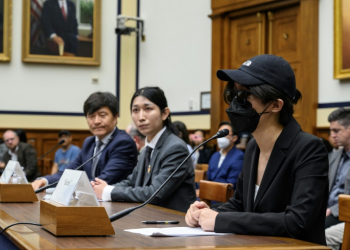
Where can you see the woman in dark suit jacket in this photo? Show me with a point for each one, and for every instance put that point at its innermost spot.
(283, 187)
(151, 115)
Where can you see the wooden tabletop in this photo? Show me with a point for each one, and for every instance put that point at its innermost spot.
(34, 237)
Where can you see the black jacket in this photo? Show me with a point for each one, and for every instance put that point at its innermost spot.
(292, 198)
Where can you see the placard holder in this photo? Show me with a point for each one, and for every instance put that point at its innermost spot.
(61, 220)
(14, 186)
(17, 193)
(74, 209)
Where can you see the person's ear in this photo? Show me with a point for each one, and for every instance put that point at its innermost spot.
(277, 105)
(165, 114)
(234, 138)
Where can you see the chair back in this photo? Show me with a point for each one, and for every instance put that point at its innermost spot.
(215, 191)
(344, 215)
(199, 175)
(202, 167)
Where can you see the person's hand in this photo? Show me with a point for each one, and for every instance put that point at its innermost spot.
(2, 164)
(58, 40)
(191, 217)
(328, 212)
(98, 185)
(38, 184)
(206, 219)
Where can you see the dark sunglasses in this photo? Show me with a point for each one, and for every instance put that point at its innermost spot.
(240, 95)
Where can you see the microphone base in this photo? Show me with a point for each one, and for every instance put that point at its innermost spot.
(61, 220)
(17, 193)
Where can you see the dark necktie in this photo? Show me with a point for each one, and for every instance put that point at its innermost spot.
(95, 160)
(147, 160)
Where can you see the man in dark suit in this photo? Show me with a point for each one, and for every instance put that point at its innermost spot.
(22, 152)
(59, 22)
(339, 163)
(119, 155)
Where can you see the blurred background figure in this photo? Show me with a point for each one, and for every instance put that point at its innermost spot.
(204, 153)
(183, 134)
(138, 138)
(21, 135)
(67, 153)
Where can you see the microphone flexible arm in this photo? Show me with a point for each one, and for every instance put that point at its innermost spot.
(59, 143)
(127, 211)
(82, 165)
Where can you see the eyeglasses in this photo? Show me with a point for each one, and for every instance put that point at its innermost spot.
(10, 139)
(240, 95)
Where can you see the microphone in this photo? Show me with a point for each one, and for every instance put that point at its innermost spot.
(82, 165)
(59, 143)
(127, 211)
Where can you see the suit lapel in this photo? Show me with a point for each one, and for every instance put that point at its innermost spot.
(277, 157)
(90, 153)
(334, 164)
(155, 156)
(216, 168)
(253, 166)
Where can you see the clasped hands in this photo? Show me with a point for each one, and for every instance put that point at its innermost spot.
(200, 215)
(98, 185)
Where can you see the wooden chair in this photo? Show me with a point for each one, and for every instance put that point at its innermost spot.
(344, 215)
(215, 191)
(202, 167)
(199, 175)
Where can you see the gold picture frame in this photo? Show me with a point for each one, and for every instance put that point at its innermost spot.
(341, 34)
(5, 31)
(39, 47)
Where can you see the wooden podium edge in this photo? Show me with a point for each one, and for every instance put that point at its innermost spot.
(17, 193)
(74, 220)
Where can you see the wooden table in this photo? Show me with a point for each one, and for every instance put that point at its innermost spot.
(34, 237)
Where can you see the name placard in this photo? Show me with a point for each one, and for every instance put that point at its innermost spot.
(13, 173)
(74, 189)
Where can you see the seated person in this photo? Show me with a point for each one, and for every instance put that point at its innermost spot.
(334, 236)
(119, 155)
(226, 164)
(66, 154)
(183, 134)
(163, 154)
(204, 153)
(283, 187)
(22, 152)
(138, 138)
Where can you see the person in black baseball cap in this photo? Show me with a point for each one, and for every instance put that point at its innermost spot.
(283, 187)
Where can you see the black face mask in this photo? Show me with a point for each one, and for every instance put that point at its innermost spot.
(243, 117)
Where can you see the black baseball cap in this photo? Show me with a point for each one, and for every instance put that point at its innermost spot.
(263, 69)
(63, 132)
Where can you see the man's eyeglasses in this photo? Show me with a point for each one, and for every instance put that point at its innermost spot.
(240, 95)
(10, 139)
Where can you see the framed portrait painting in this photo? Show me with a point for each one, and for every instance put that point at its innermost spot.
(62, 31)
(5, 30)
(341, 39)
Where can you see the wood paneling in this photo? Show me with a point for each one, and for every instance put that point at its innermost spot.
(244, 29)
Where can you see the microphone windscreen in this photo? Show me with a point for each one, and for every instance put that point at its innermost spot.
(61, 141)
(222, 133)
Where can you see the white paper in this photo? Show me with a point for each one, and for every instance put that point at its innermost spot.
(12, 169)
(173, 231)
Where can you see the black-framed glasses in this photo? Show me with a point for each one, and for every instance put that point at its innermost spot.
(240, 95)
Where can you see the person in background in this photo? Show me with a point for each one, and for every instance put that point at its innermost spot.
(21, 135)
(22, 152)
(226, 164)
(119, 155)
(339, 163)
(163, 153)
(3, 149)
(66, 154)
(138, 138)
(203, 154)
(283, 187)
(334, 236)
(183, 134)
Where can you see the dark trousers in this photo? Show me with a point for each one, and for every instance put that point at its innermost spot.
(331, 220)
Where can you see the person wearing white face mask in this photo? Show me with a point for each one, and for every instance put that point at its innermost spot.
(226, 164)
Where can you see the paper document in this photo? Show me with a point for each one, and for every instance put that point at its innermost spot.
(173, 231)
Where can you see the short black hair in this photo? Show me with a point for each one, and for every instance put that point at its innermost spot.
(98, 100)
(64, 132)
(267, 93)
(200, 130)
(229, 124)
(181, 127)
(342, 115)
